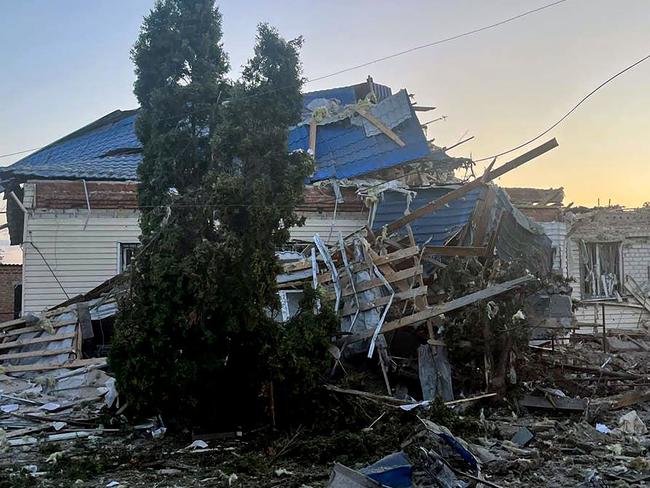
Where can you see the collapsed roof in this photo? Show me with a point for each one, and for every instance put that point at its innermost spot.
(353, 137)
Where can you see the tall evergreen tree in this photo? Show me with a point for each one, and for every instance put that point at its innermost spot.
(194, 340)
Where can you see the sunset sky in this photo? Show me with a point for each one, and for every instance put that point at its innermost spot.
(66, 63)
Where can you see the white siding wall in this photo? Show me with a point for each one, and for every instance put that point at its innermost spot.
(328, 227)
(616, 317)
(556, 232)
(80, 258)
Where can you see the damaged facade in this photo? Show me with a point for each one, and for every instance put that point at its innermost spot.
(73, 206)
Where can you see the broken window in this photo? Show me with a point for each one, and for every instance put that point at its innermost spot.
(126, 253)
(600, 265)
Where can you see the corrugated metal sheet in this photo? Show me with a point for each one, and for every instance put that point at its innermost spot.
(81, 259)
(520, 238)
(439, 225)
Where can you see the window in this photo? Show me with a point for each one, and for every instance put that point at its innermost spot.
(600, 268)
(126, 252)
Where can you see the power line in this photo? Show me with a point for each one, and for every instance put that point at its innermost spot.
(575, 107)
(435, 43)
(384, 58)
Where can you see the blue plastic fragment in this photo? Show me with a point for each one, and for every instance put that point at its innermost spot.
(394, 471)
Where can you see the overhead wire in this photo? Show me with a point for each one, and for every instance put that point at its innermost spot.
(573, 109)
(374, 61)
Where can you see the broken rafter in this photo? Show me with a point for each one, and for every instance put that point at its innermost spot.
(466, 188)
(421, 317)
(381, 126)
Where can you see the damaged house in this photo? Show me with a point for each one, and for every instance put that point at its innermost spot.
(608, 256)
(72, 205)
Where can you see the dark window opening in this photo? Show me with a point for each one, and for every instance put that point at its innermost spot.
(600, 268)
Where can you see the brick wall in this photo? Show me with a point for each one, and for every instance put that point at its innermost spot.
(636, 259)
(10, 276)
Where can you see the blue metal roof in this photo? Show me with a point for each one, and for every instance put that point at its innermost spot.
(101, 150)
(438, 226)
(108, 149)
(344, 151)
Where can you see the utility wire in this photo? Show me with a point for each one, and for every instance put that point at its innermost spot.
(436, 43)
(384, 58)
(575, 107)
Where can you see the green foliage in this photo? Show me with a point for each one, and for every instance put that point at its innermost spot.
(194, 341)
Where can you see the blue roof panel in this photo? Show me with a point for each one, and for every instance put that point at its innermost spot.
(109, 148)
(88, 155)
(438, 226)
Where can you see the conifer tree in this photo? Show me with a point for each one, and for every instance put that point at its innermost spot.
(194, 341)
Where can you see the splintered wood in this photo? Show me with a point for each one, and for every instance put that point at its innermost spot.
(47, 390)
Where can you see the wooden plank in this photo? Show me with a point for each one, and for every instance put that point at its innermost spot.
(13, 323)
(313, 126)
(38, 340)
(375, 282)
(436, 310)
(381, 261)
(381, 126)
(36, 354)
(33, 328)
(558, 403)
(405, 253)
(351, 308)
(27, 430)
(295, 266)
(466, 188)
(454, 250)
(79, 363)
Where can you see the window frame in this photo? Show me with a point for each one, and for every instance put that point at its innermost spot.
(122, 247)
(585, 255)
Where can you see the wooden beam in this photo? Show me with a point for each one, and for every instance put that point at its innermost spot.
(399, 255)
(466, 188)
(381, 126)
(33, 328)
(375, 282)
(36, 354)
(454, 250)
(296, 266)
(313, 126)
(79, 363)
(38, 340)
(436, 310)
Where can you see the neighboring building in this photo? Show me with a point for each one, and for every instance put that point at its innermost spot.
(11, 276)
(78, 219)
(608, 257)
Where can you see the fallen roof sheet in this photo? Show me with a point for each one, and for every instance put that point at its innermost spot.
(438, 226)
(108, 149)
